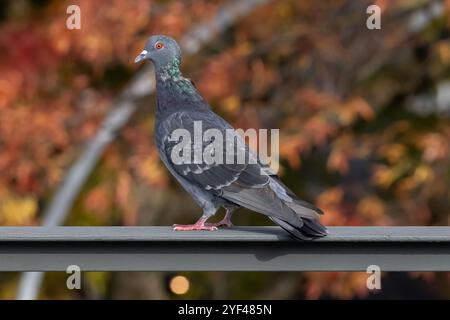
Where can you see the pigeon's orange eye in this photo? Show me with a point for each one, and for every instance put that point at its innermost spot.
(159, 45)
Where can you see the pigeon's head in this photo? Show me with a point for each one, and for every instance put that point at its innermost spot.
(162, 51)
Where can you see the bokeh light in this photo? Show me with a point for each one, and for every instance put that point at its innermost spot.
(179, 285)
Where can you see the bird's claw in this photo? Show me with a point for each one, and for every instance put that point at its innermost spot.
(226, 224)
(193, 227)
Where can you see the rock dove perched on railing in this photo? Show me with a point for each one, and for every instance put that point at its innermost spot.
(213, 185)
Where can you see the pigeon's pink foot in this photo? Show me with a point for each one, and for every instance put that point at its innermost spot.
(222, 223)
(225, 222)
(193, 227)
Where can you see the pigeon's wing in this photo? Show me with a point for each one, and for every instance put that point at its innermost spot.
(249, 184)
(209, 175)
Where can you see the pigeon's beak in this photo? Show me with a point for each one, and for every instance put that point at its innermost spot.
(142, 56)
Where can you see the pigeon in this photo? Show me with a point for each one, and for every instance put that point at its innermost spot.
(228, 184)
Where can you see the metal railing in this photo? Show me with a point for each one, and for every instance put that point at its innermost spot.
(237, 249)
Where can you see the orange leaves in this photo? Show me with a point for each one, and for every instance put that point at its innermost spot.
(353, 108)
(221, 75)
(330, 201)
(152, 170)
(124, 198)
(263, 78)
(231, 104)
(29, 139)
(10, 84)
(331, 113)
(99, 200)
(435, 146)
(26, 49)
(393, 152)
(174, 20)
(373, 210)
(338, 161)
(368, 209)
(314, 132)
(443, 51)
(17, 211)
(423, 173)
(314, 99)
(290, 149)
(102, 24)
(384, 176)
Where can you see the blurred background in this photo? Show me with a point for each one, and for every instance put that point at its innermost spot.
(364, 118)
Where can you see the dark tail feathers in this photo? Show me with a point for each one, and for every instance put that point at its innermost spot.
(309, 230)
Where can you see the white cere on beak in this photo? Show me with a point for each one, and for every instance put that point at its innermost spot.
(141, 56)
